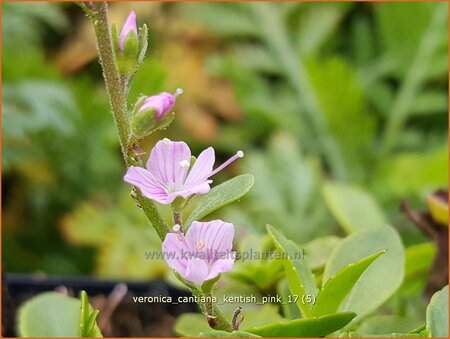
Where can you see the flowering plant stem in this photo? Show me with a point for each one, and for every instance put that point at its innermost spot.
(117, 89)
(215, 318)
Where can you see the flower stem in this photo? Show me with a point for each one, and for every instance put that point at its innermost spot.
(215, 318)
(117, 89)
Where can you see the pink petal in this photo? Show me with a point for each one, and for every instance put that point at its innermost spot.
(221, 266)
(213, 237)
(202, 168)
(128, 26)
(167, 163)
(173, 249)
(149, 186)
(198, 189)
(196, 271)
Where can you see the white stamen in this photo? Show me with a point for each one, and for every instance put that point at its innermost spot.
(184, 163)
(167, 141)
(238, 155)
(176, 228)
(178, 92)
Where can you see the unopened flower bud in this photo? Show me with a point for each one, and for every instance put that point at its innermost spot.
(128, 27)
(129, 45)
(152, 113)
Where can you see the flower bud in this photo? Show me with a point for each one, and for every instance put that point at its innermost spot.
(152, 113)
(129, 45)
(129, 27)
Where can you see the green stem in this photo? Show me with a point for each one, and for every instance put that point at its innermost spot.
(414, 78)
(117, 89)
(274, 32)
(216, 320)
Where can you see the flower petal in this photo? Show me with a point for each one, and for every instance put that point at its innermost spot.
(214, 238)
(149, 186)
(196, 271)
(176, 252)
(198, 189)
(167, 163)
(202, 168)
(128, 26)
(221, 265)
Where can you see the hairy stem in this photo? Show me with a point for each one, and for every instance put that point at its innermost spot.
(215, 318)
(117, 89)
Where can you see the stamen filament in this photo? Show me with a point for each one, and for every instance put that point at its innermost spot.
(239, 154)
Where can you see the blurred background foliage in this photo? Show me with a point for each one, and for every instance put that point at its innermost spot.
(314, 93)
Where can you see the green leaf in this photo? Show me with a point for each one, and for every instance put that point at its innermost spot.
(299, 275)
(418, 258)
(382, 324)
(289, 310)
(437, 314)
(53, 314)
(339, 285)
(88, 325)
(191, 324)
(319, 250)
(390, 335)
(222, 195)
(381, 279)
(354, 208)
(224, 334)
(307, 327)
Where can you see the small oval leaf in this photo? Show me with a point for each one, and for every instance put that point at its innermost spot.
(221, 195)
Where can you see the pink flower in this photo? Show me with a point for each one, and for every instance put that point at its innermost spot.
(162, 103)
(170, 174)
(128, 26)
(203, 253)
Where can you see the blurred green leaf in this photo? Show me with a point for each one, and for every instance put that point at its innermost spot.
(299, 275)
(337, 287)
(437, 314)
(354, 208)
(382, 278)
(53, 314)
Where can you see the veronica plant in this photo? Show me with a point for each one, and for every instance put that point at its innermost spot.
(199, 252)
(172, 175)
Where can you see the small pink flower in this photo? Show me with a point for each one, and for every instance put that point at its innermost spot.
(162, 103)
(169, 173)
(203, 253)
(128, 26)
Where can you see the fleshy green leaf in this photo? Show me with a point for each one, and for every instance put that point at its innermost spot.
(339, 285)
(53, 314)
(299, 275)
(222, 195)
(437, 314)
(88, 316)
(306, 327)
(381, 279)
(352, 207)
